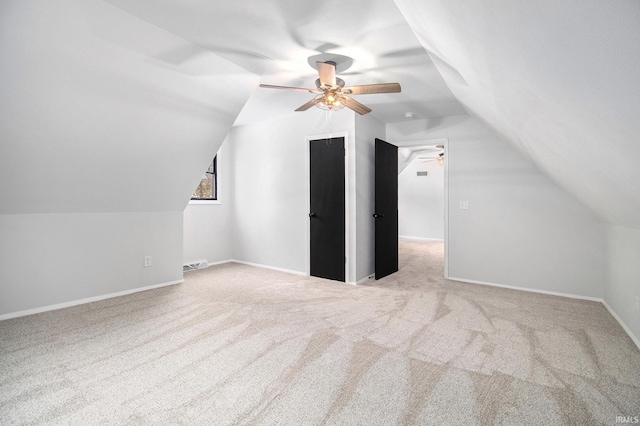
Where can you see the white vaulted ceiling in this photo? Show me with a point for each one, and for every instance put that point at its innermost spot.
(274, 39)
(559, 80)
(91, 122)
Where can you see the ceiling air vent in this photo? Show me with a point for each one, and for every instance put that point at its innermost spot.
(422, 173)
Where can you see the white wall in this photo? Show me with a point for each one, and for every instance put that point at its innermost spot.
(263, 218)
(101, 144)
(521, 229)
(270, 187)
(208, 227)
(50, 259)
(623, 275)
(421, 201)
(367, 128)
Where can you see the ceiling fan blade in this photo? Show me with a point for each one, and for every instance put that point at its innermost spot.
(368, 89)
(298, 89)
(355, 105)
(308, 105)
(327, 73)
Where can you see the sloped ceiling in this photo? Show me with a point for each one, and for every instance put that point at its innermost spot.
(556, 79)
(275, 39)
(407, 154)
(91, 120)
(560, 80)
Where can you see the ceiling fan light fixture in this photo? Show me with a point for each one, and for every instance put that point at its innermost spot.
(329, 101)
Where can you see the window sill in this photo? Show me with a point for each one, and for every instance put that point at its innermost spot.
(204, 202)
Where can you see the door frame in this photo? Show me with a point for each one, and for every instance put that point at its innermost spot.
(347, 241)
(445, 142)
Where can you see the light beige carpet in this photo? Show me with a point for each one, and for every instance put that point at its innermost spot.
(236, 344)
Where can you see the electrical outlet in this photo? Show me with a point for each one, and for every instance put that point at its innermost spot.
(147, 261)
(637, 305)
(464, 205)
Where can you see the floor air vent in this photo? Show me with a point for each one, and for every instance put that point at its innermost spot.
(193, 266)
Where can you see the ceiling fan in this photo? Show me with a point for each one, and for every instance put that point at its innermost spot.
(439, 158)
(332, 93)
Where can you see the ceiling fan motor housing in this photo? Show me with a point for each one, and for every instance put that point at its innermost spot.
(339, 83)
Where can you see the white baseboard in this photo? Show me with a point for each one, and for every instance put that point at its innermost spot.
(530, 290)
(83, 301)
(406, 237)
(290, 271)
(622, 323)
(220, 262)
(363, 280)
(554, 293)
(274, 268)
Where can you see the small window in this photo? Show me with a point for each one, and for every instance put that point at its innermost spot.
(208, 187)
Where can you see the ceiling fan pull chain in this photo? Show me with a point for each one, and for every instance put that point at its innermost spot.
(328, 118)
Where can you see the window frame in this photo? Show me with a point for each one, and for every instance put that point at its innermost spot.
(216, 180)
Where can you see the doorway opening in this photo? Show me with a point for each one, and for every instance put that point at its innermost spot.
(423, 192)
